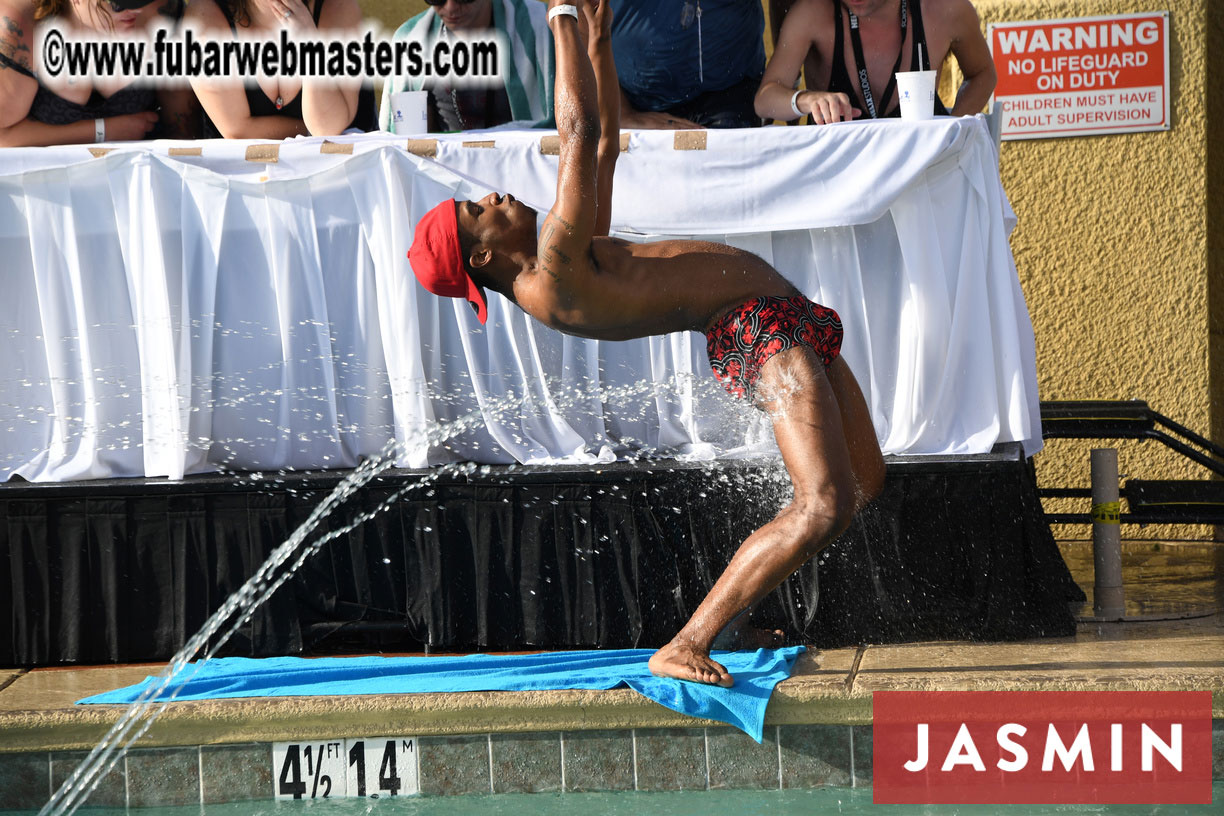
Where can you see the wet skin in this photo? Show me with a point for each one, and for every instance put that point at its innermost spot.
(579, 281)
(622, 290)
(619, 290)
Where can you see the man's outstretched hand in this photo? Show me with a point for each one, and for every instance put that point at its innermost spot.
(598, 19)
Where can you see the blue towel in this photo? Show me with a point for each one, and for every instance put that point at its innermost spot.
(743, 705)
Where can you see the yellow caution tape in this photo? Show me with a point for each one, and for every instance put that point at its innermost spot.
(1107, 513)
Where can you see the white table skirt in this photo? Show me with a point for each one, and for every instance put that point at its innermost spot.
(166, 313)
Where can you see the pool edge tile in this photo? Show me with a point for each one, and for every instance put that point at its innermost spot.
(236, 773)
(453, 766)
(737, 761)
(163, 777)
(815, 756)
(671, 759)
(598, 760)
(526, 763)
(20, 779)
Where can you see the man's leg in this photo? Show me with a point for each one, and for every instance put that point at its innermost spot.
(864, 446)
(829, 447)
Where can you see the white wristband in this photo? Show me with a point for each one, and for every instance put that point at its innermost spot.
(564, 9)
(795, 103)
(99, 130)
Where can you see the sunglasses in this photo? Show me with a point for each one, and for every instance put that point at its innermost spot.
(117, 6)
(443, 2)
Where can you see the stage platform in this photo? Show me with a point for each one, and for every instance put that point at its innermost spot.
(119, 571)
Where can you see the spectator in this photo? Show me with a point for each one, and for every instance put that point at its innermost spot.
(279, 107)
(696, 63)
(891, 36)
(82, 109)
(523, 92)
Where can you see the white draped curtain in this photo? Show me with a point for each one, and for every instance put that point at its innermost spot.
(180, 308)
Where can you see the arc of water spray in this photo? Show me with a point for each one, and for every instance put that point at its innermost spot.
(141, 714)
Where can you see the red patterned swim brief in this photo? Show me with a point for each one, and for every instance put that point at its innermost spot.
(748, 335)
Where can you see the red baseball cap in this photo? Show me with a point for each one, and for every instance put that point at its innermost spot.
(437, 258)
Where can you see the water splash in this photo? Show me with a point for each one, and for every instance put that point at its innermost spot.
(285, 560)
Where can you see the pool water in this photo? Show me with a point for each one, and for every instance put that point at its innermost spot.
(629, 803)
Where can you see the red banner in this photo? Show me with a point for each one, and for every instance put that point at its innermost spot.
(1041, 747)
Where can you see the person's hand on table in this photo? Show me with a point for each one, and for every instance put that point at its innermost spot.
(826, 108)
(129, 127)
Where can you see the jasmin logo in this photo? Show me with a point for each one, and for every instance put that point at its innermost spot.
(963, 751)
(1042, 747)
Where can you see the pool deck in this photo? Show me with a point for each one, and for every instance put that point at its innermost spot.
(834, 687)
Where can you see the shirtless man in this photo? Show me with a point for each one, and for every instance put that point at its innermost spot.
(766, 341)
(816, 36)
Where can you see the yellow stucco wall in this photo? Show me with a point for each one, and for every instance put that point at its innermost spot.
(1112, 247)
(1117, 250)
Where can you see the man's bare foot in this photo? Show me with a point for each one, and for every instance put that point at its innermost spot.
(685, 662)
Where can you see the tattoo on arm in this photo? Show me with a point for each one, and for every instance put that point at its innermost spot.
(552, 254)
(12, 46)
(548, 254)
(546, 241)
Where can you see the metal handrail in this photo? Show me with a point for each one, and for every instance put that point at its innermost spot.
(1128, 419)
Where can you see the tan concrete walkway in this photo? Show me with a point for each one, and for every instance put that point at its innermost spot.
(828, 687)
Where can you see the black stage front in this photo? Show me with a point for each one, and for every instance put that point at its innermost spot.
(518, 558)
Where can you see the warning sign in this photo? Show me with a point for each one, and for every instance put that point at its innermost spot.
(1083, 76)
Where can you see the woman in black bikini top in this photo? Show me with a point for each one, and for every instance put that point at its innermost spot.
(279, 107)
(87, 109)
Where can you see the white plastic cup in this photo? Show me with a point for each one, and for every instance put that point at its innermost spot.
(409, 112)
(916, 90)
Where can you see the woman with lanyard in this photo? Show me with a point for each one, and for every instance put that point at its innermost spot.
(886, 36)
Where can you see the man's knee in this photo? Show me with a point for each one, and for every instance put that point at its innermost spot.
(825, 516)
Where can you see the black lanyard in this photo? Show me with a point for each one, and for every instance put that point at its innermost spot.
(861, 64)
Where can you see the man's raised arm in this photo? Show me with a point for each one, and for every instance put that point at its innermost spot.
(599, 47)
(565, 239)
